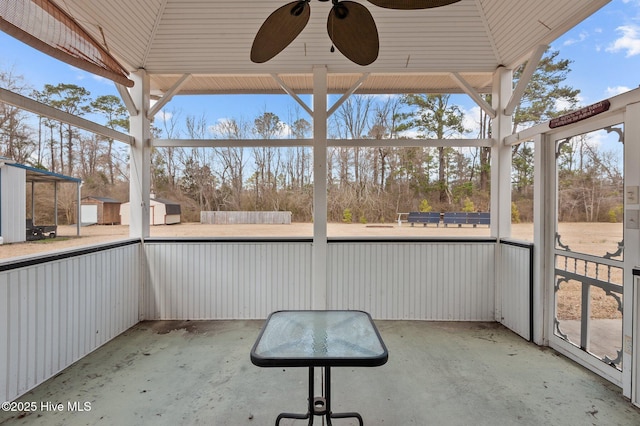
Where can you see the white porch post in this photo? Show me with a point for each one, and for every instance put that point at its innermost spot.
(140, 160)
(631, 299)
(319, 269)
(500, 171)
(544, 224)
(501, 156)
(79, 209)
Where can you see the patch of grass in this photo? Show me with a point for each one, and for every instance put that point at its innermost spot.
(51, 240)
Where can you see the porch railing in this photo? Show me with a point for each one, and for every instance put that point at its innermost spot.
(588, 293)
(60, 307)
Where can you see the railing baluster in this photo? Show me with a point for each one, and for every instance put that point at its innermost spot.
(588, 274)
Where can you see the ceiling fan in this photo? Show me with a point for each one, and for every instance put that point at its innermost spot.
(350, 25)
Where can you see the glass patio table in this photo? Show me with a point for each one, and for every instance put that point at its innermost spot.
(319, 339)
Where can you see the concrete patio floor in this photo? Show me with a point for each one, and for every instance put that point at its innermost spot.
(438, 373)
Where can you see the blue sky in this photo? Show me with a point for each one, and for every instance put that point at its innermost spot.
(605, 50)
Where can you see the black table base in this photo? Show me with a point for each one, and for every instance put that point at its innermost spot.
(319, 406)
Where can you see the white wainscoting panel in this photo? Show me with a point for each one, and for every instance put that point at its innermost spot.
(226, 280)
(515, 273)
(55, 312)
(452, 281)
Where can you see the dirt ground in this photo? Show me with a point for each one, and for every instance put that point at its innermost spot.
(581, 237)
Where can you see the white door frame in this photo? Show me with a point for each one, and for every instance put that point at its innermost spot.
(546, 182)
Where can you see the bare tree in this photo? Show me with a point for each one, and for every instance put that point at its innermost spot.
(385, 121)
(352, 122)
(198, 181)
(15, 133)
(232, 159)
(170, 126)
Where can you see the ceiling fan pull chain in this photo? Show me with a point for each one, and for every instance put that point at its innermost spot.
(333, 49)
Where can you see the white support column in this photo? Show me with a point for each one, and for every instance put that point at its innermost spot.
(500, 172)
(140, 161)
(501, 156)
(319, 278)
(79, 208)
(544, 222)
(631, 299)
(33, 201)
(55, 204)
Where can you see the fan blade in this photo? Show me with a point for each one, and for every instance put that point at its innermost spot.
(411, 4)
(353, 31)
(279, 30)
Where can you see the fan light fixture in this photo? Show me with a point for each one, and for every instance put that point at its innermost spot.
(350, 25)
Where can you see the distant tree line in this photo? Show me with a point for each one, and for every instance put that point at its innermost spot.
(365, 184)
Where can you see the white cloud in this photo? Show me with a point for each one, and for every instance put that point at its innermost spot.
(629, 42)
(562, 104)
(581, 37)
(101, 79)
(613, 91)
(410, 134)
(472, 120)
(82, 75)
(164, 115)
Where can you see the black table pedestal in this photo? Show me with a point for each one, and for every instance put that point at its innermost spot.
(319, 406)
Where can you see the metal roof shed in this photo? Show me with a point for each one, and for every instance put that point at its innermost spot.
(100, 211)
(13, 195)
(161, 212)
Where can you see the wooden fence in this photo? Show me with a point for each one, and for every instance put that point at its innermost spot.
(244, 217)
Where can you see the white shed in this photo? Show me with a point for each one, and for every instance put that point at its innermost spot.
(161, 212)
(13, 201)
(13, 195)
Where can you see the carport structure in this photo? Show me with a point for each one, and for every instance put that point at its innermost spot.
(35, 175)
(175, 47)
(13, 193)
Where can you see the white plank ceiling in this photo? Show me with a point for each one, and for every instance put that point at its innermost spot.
(211, 39)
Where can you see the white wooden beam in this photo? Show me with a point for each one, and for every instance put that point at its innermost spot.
(501, 159)
(411, 142)
(349, 92)
(292, 93)
(543, 237)
(500, 177)
(168, 95)
(631, 300)
(254, 143)
(140, 160)
(525, 78)
(38, 108)
(125, 95)
(469, 90)
(223, 143)
(319, 281)
(617, 102)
